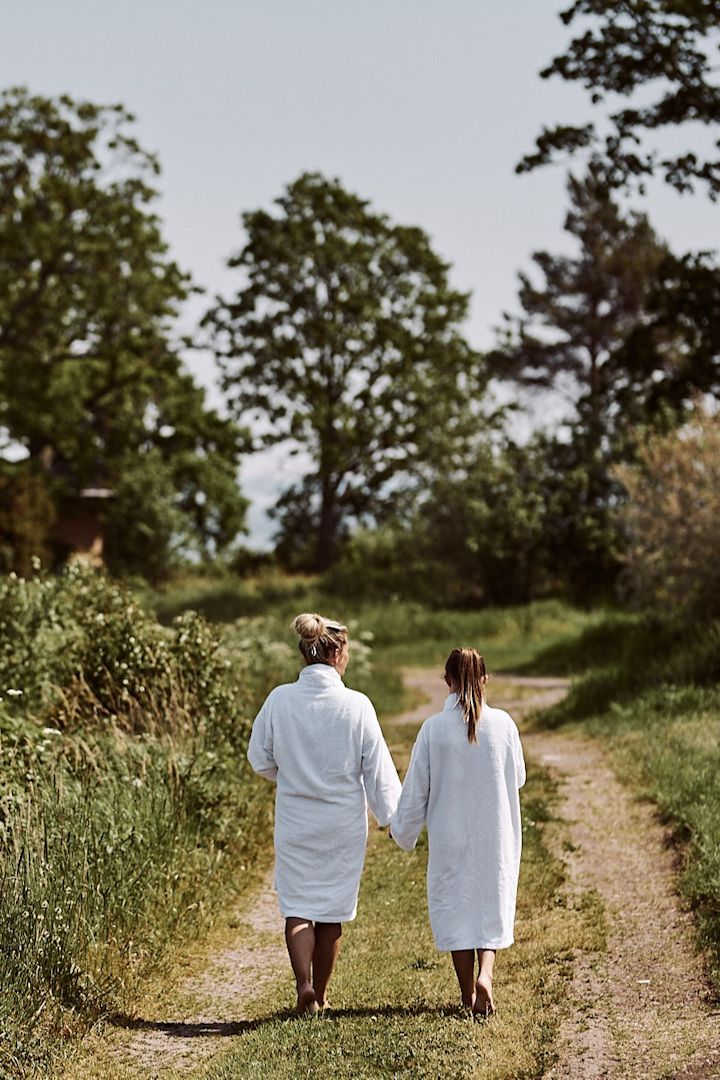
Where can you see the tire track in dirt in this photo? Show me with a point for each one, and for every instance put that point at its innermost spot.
(642, 1010)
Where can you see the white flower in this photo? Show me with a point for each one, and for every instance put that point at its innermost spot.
(13, 693)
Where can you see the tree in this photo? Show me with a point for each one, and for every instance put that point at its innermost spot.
(484, 529)
(575, 323)
(90, 370)
(571, 339)
(684, 307)
(344, 338)
(636, 49)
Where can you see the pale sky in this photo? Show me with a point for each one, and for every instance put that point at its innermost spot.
(421, 106)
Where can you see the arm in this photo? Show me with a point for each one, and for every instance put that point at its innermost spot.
(260, 747)
(519, 761)
(382, 783)
(411, 813)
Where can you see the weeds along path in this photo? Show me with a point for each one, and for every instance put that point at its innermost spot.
(204, 1011)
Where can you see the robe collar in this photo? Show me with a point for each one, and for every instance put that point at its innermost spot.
(451, 702)
(320, 674)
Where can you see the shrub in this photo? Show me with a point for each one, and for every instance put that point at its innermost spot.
(672, 518)
(124, 791)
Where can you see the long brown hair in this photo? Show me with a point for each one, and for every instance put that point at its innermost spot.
(466, 669)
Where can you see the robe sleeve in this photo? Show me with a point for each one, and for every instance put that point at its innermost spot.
(260, 747)
(382, 783)
(411, 813)
(519, 761)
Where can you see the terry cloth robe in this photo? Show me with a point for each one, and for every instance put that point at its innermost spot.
(323, 745)
(468, 795)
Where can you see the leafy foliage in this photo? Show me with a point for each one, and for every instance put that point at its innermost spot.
(344, 340)
(684, 310)
(27, 517)
(666, 47)
(123, 789)
(91, 382)
(573, 339)
(574, 325)
(672, 516)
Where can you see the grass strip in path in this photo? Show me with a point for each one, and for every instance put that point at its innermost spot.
(394, 996)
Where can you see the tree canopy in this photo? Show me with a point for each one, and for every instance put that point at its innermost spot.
(574, 324)
(344, 339)
(571, 338)
(90, 370)
(660, 55)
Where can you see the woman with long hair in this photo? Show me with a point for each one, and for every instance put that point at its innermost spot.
(324, 747)
(465, 773)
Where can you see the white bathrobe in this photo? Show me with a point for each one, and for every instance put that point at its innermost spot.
(323, 745)
(468, 795)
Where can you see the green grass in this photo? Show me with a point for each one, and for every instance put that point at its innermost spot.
(403, 633)
(651, 697)
(128, 811)
(395, 998)
(225, 599)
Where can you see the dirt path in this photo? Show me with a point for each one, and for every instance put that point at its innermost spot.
(639, 1011)
(215, 1001)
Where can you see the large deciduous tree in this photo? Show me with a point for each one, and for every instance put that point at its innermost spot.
(662, 57)
(344, 339)
(91, 380)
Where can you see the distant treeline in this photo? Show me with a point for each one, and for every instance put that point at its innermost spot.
(344, 340)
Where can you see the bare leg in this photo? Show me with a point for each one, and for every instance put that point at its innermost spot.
(484, 1004)
(327, 947)
(300, 938)
(464, 961)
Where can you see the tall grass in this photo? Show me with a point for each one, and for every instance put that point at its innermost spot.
(402, 633)
(125, 795)
(650, 693)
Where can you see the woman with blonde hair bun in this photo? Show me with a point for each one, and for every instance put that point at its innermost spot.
(463, 780)
(323, 746)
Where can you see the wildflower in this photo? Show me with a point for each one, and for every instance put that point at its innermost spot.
(13, 693)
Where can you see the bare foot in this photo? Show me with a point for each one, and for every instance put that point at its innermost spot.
(483, 1005)
(307, 1003)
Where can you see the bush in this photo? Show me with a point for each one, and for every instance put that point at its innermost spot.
(27, 517)
(672, 518)
(125, 794)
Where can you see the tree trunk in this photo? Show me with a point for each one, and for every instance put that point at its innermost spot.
(325, 550)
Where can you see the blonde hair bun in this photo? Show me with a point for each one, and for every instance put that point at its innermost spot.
(309, 626)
